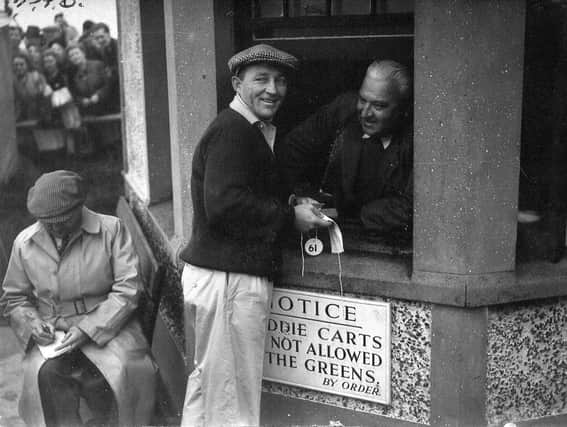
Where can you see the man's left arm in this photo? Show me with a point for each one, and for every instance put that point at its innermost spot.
(102, 324)
(394, 211)
(103, 92)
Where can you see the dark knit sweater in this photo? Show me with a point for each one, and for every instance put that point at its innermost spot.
(238, 202)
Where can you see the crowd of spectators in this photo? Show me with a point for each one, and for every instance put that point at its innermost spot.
(61, 75)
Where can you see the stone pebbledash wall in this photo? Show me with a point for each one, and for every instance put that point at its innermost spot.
(411, 367)
(527, 361)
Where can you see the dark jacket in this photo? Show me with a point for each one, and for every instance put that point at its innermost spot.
(109, 55)
(92, 79)
(53, 117)
(238, 200)
(324, 152)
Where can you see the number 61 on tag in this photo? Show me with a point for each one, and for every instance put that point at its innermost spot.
(313, 246)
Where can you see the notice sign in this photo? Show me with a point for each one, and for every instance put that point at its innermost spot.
(328, 343)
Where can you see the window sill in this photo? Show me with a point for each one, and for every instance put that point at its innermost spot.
(391, 277)
(372, 269)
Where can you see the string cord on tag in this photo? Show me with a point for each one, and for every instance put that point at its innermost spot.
(301, 249)
(340, 273)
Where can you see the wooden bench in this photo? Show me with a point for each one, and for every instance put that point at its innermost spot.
(151, 272)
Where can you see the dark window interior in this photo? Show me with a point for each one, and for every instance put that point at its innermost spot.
(334, 48)
(543, 175)
(335, 41)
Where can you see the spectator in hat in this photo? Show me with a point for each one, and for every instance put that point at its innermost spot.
(87, 27)
(239, 214)
(74, 274)
(70, 33)
(89, 82)
(33, 36)
(53, 33)
(87, 42)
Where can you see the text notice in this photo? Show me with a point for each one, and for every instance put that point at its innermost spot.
(329, 343)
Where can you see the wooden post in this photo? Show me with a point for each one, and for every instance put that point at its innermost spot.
(8, 144)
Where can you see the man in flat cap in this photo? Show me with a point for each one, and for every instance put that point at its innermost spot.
(233, 255)
(72, 276)
(359, 149)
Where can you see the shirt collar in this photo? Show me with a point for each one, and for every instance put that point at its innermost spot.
(240, 107)
(385, 140)
(91, 221)
(266, 127)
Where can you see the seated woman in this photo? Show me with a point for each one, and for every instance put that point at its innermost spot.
(29, 90)
(88, 82)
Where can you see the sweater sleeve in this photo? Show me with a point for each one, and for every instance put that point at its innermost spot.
(231, 204)
(305, 149)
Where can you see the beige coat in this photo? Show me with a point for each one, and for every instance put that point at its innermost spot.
(94, 285)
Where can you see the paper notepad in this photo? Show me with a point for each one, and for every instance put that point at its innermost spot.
(48, 351)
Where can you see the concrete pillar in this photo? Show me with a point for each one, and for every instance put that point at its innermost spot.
(157, 107)
(459, 341)
(133, 105)
(8, 144)
(192, 92)
(468, 97)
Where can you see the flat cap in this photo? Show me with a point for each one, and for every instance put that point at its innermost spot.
(55, 195)
(262, 53)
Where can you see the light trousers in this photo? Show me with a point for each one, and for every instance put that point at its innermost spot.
(226, 317)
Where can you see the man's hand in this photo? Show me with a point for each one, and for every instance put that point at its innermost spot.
(308, 201)
(61, 324)
(42, 332)
(308, 217)
(73, 339)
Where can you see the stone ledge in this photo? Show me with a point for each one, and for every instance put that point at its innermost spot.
(378, 275)
(391, 276)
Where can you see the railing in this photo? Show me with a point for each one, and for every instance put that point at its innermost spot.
(48, 139)
(33, 124)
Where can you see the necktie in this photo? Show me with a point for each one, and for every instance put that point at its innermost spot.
(61, 244)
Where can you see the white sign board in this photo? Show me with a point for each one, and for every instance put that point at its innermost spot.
(329, 343)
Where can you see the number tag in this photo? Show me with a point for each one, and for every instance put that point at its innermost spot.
(313, 246)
